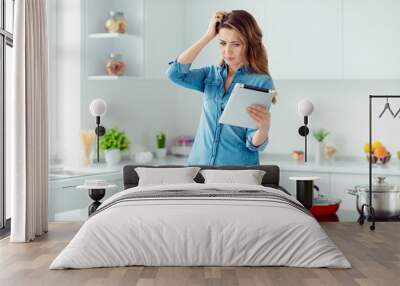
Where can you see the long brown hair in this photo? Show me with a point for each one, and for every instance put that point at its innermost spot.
(250, 33)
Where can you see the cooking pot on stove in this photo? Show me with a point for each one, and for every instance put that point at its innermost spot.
(385, 198)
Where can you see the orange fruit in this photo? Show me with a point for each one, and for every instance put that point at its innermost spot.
(376, 144)
(381, 152)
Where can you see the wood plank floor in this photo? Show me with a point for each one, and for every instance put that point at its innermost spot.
(375, 257)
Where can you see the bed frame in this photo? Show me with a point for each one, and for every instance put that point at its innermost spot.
(270, 179)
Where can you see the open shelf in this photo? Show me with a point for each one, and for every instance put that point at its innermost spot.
(130, 45)
(109, 77)
(111, 36)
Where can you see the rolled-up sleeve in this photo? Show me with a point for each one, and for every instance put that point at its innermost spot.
(249, 143)
(183, 75)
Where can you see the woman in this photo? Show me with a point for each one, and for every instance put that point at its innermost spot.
(244, 60)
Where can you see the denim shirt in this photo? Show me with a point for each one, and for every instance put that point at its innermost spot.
(216, 143)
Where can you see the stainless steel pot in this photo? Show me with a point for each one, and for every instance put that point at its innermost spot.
(385, 198)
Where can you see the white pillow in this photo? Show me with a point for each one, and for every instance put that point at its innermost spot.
(164, 176)
(249, 177)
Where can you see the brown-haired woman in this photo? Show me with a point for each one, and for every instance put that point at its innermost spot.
(244, 60)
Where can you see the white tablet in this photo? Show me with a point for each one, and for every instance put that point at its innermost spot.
(242, 96)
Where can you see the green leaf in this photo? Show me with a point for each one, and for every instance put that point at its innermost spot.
(114, 139)
(320, 134)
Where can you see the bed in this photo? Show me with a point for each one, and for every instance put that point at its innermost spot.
(198, 224)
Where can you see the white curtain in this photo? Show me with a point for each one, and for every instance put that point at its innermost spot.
(27, 157)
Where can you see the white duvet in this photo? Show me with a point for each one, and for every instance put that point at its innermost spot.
(200, 231)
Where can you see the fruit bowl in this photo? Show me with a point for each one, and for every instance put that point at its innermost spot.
(379, 160)
(380, 154)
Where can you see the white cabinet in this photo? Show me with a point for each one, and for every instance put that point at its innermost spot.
(333, 184)
(68, 203)
(311, 39)
(343, 182)
(303, 38)
(371, 39)
(97, 44)
(164, 23)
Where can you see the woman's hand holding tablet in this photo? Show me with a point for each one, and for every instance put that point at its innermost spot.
(248, 107)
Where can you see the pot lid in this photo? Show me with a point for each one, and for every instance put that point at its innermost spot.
(379, 186)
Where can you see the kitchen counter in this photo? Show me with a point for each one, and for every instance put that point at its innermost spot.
(285, 162)
(335, 178)
(340, 165)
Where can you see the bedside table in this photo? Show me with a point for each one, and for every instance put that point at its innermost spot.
(96, 191)
(305, 190)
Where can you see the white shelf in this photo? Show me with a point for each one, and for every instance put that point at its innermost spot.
(109, 77)
(130, 44)
(111, 36)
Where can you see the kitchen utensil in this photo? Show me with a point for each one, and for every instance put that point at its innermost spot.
(385, 198)
(387, 107)
(323, 206)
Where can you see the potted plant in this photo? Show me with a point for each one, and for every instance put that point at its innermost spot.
(112, 143)
(161, 150)
(320, 135)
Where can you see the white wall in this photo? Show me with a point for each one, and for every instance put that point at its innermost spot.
(66, 90)
(328, 53)
(141, 107)
(341, 106)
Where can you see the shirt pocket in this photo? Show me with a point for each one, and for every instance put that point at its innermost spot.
(211, 87)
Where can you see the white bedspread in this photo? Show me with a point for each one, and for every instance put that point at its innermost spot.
(200, 231)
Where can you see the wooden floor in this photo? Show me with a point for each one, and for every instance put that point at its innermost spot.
(375, 257)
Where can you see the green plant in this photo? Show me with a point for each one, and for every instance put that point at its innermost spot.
(161, 140)
(114, 139)
(320, 134)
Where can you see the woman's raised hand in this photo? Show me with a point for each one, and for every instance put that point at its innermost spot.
(216, 18)
(191, 53)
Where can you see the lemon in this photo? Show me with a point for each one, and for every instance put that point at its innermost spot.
(367, 148)
(398, 155)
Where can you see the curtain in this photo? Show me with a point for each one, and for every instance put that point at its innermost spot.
(27, 151)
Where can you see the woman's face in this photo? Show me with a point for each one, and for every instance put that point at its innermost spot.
(232, 47)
